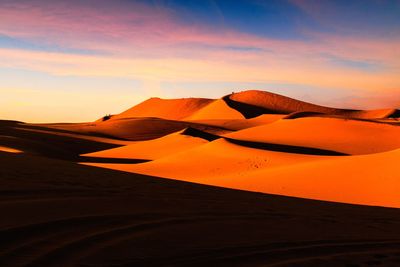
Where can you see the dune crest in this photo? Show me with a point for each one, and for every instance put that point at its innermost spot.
(252, 103)
(172, 109)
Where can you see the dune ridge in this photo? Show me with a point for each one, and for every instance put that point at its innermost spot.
(172, 109)
(253, 103)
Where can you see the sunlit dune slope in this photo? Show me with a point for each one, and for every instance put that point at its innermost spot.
(366, 179)
(214, 159)
(239, 124)
(152, 149)
(256, 121)
(10, 149)
(341, 135)
(173, 109)
(216, 110)
(251, 103)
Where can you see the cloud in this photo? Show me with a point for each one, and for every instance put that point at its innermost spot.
(146, 42)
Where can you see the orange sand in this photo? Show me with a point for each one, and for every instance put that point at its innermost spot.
(172, 109)
(152, 149)
(347, 136)
(216, 110)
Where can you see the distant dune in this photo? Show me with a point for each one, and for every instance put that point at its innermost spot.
(171, 109)
(253, 103)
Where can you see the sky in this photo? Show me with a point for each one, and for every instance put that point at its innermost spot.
(68, 61)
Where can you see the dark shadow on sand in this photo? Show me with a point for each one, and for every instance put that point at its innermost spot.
(286, 148)
(248, 111)
(110, 160)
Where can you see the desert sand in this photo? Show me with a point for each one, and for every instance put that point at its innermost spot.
(250, 179)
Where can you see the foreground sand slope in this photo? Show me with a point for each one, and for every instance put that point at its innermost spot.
(63, 214)
(215, 159)
(367, 179)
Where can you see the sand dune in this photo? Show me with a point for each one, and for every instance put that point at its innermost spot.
(347, 136)
(218, 109)
(273, 103)
(239, 124)
(135, 129)
(172, 109)
(214, 159)
(253, 103)
(366, 179)
(54, 143)
(152, 149)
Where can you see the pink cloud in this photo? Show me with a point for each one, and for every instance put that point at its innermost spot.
(134, 32)
(136, 29)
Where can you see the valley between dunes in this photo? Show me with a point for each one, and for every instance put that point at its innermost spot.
(250, 179)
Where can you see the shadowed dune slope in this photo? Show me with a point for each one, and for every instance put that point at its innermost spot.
(272, 103)
(53, 143)
(372, 114)
(346, 136)
(252, 103)
(216, 110)
(135, 129)
(63, 214)
(153, 149)
(172, 109)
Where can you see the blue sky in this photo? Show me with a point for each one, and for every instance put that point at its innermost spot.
(68, 52)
